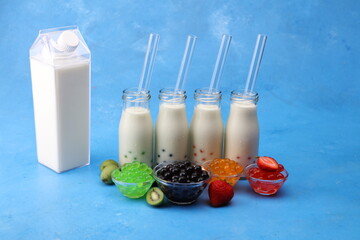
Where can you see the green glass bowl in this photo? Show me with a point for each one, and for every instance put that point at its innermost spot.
(132, 190)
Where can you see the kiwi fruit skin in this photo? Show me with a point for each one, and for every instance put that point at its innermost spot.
(155, 191)
(106, 174)
(107, 163)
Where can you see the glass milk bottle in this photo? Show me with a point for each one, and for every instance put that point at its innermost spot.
(206, 129)
(172, 130)
(135, 129)
(242, 128)
(60, 74)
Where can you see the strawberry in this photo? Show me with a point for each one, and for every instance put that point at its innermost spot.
(281, 168)
(220, 193)
(267, 163)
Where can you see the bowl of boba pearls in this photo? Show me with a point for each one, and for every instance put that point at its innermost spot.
(224, 169)
(181, 181)
(266, 176)
(133, 179)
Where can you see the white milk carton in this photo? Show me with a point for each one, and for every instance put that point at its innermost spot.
(60, 73)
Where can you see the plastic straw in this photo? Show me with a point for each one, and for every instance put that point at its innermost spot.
(220, 61)
(255, 62)
(185, 62)
(149, 62)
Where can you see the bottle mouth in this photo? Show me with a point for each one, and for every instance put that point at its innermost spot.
(241, 96)
(136, 95)
(172, 91)
(206, 91)
(206, 96)
(169, 95)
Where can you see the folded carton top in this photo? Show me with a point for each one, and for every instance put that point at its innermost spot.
(59, 46)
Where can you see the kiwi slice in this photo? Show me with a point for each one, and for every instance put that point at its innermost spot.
(107, 163)
(155, 196)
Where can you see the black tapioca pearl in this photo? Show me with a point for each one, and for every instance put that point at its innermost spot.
(194, 177)
(161, 171)
(182, 179)
(198, 169)
(189, 169)
(175, 178)
(125, 156)
(175, 171)
(170, 155)
(142, 153)
(163, 150)
(182, 165)
(204, 174)
(158, 155)
(135, 158)
(167, 175)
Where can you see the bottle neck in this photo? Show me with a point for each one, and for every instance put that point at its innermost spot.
(204, 96)
(134, 98)
(241, 97)
(170, 96)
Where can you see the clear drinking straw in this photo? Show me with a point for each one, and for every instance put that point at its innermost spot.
(255, 62)
(149, 62)
(185, 62)
(220, 61)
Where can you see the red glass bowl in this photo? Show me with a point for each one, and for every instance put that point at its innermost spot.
(262, 186)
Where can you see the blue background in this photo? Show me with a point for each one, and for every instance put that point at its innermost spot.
(308, 112)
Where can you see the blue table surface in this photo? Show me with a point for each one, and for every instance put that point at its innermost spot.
(308, 112)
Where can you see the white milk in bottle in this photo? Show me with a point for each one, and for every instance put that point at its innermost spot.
(242, 128)
(135, 128)
(171, 127)
(206, 129)
(60, 74)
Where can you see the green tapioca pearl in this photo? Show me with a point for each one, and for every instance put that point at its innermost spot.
(117, 174)
(139, 179)
(136, 172)
(143, 167)
(136, 164)
(133, 169)
(126, 165)
(139, 182)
